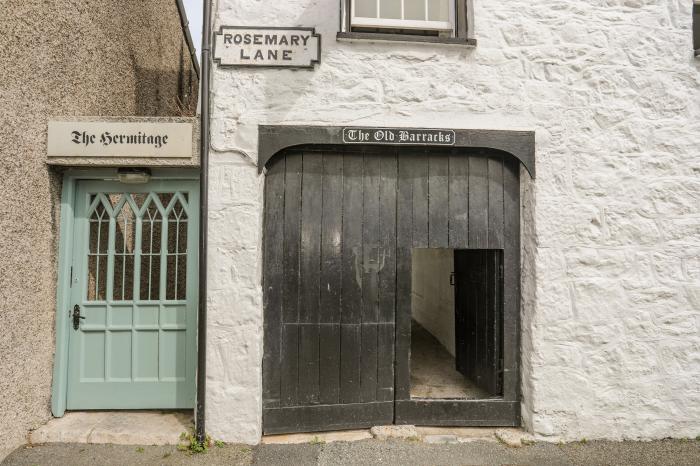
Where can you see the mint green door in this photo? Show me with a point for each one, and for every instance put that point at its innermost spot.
(134, 285)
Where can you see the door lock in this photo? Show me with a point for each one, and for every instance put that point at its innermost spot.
(76, 317)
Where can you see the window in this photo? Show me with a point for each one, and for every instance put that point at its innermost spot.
(427, 15)
(408, 20)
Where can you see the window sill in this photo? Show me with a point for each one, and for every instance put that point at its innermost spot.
(380, 37)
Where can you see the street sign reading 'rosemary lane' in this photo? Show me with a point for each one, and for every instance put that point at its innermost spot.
(267, 47)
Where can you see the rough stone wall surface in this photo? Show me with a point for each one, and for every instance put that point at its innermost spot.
(611, 225)
(64, 59)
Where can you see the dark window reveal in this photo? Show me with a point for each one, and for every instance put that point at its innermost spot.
(696, 27)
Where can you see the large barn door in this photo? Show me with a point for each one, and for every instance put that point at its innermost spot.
(329, 289)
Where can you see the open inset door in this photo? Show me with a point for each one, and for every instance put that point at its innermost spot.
(478, 283)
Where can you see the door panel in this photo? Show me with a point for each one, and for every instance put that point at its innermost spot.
(482, 212)
(134, 281)
(478, 274)
(327, 333)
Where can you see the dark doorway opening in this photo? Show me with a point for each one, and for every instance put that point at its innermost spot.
(457, 324)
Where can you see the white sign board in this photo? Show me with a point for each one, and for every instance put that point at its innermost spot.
(272, 47)
(119, 139)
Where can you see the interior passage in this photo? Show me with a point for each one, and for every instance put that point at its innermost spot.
(433, 372)
(456, 323)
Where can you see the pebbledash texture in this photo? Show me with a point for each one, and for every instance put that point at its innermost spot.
(66, 60)
(610, 333)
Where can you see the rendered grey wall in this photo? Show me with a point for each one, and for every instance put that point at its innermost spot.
(63, 59)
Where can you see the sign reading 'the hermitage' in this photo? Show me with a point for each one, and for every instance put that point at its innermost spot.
(119, 139)
(272, 47)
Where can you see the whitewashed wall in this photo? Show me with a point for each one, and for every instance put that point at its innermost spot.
(611, 225)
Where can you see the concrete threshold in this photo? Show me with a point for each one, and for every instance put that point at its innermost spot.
(115, 427)
(509, 436)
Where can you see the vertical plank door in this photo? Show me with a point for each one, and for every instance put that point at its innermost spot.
(328, 278)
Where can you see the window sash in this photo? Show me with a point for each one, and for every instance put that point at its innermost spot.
(402, 23)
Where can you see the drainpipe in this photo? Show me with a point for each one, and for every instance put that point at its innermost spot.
(199, 416)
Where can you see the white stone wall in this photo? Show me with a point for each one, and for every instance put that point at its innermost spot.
(611, 225)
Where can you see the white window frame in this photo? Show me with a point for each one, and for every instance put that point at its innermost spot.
(403, 23)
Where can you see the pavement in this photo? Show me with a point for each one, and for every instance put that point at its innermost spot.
(154, 438)
(392, 451)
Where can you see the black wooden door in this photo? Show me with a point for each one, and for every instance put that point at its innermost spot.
(339, 229)
(478, 317)
(459, 199)
(329, 290)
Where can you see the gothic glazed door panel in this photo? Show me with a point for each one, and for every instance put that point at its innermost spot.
(134, 296)
(329, 288)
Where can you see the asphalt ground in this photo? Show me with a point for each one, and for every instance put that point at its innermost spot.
(368, 452)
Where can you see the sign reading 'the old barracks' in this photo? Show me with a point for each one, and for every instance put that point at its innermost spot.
(399, 136)
(272, 47)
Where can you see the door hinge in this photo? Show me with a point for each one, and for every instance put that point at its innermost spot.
(71, 277)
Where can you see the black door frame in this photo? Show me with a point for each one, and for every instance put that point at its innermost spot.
(504, 411)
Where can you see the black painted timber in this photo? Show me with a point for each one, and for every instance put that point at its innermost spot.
(341, 223)
(327, 417)
(272, 139)
(273, 277)
(458, 412)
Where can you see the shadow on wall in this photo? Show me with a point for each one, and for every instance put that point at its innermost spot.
(180, 86)
(528, 283)
(153, 97)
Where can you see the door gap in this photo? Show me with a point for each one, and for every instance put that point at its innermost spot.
(456, 322)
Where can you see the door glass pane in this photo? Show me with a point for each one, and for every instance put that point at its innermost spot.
(366, 8)
(98, 232)
(151, 238)
(390, 9)
(177, 252)
(139, 199)
(438, 10)
(165, 199)
(414, 9)
(124, 247)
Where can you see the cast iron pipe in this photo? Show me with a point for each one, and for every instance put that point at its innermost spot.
(199, 417)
